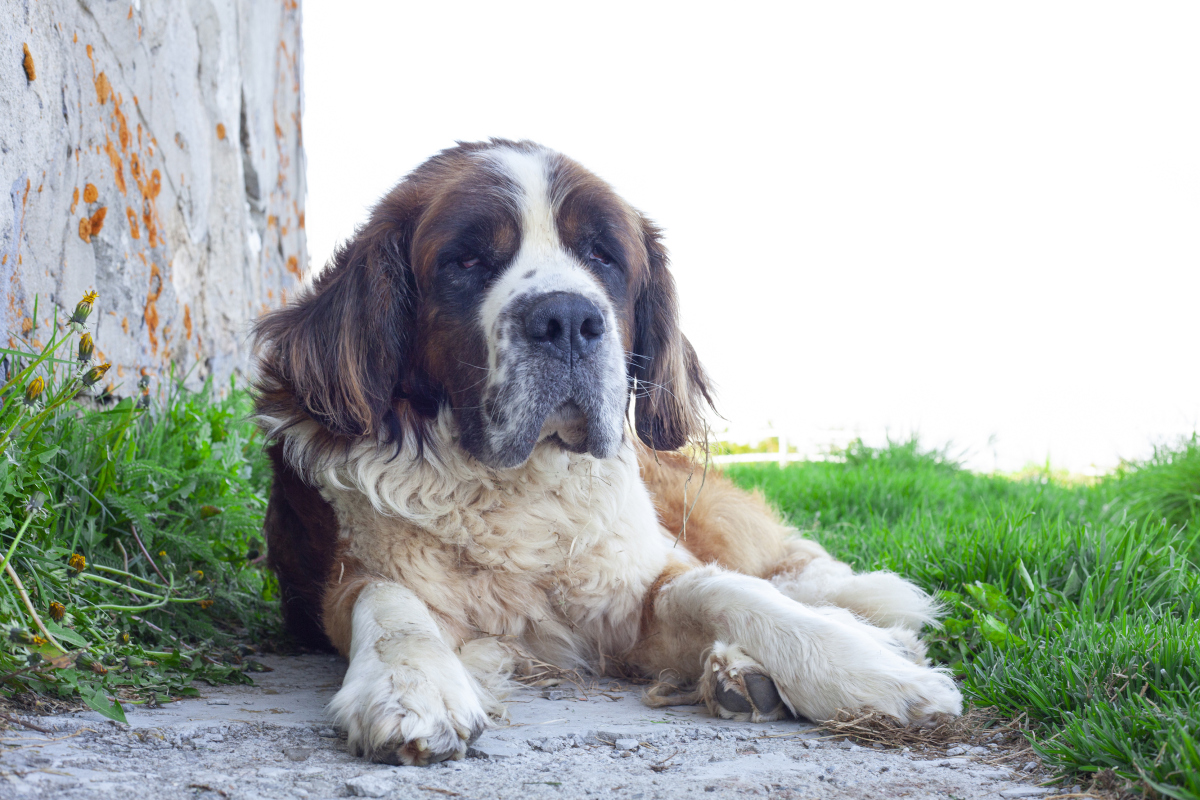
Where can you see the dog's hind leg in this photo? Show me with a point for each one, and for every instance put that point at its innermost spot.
(753, 651)
(811, 576)
(724, 524)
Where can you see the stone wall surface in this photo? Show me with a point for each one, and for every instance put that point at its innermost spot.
(151, 150)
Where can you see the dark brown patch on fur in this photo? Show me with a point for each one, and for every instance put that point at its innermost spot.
(301, 533)
(672, 387)
(349, 353)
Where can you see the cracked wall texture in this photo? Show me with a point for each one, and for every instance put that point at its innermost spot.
(152, 151)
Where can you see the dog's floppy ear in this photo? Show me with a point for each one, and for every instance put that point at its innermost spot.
(672, 387)
(339, 353)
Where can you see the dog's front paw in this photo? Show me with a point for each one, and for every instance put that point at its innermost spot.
(399, 715)
(735, 686)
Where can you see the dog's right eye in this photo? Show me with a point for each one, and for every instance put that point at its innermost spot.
(469, 263)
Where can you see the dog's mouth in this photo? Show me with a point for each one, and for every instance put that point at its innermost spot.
(514, 424)
(567, 428)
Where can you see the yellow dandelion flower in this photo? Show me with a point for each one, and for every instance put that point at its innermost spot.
(34, 390)
(95, 374)
(83, 308)
(86, 346)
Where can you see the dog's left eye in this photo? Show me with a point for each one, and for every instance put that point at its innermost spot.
(599, 254)
(470, 263)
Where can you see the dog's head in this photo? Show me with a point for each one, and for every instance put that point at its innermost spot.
(501, 281)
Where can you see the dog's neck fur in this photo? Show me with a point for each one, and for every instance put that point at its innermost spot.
(446, 492)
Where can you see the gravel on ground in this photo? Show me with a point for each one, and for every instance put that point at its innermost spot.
(272, 740)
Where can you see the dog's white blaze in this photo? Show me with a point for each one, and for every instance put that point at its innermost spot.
(542, 265)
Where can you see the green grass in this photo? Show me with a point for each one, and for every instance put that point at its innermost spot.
(86, 482)
(1073, 604)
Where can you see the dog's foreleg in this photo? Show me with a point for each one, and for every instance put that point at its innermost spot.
(406, 697)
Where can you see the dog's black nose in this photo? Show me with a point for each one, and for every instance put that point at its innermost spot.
(566, 326)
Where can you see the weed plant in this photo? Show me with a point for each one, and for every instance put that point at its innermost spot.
(128, 557)
(1075, 605)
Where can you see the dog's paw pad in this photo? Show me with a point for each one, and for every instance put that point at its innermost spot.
(734, 686)
(730, 699)
(764, 695)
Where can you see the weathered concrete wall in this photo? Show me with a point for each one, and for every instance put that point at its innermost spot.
(151, 150)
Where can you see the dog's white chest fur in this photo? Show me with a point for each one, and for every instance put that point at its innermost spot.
(558, 552)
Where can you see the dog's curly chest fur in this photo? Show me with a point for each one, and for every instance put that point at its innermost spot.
(533, 552)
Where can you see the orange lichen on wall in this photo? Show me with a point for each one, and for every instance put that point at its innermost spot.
(85, 229)
(134, 230)
(221, 131)
(103, 87)
(74, 200)
(151, 312)
(90, 193)
(118, 168)
(123, 128)
(293, 266)
(187, 320)
(125, 325)
(148, 221)
(97, 219)
(27, 62)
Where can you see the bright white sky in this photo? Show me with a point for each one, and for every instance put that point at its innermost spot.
(979, 222)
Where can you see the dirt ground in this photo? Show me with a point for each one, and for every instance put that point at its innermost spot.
(272, 740)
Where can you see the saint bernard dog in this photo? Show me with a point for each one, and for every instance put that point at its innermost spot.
(461, 492)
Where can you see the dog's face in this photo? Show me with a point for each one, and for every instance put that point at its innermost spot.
(506, 283)
(527, 267)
